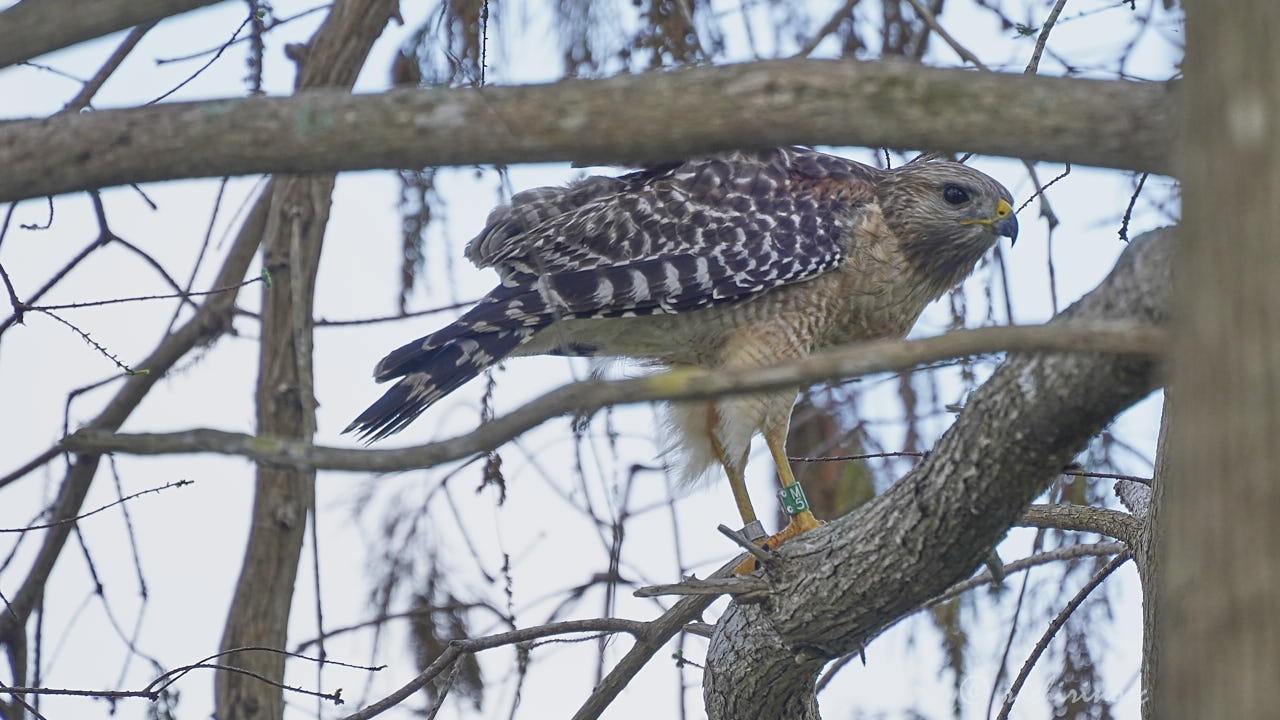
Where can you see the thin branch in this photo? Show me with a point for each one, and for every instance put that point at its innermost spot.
(273, 25)
(1128, 211)
(166, 679)
(827, 28)
(660, 631)
(1073, 469)
(584, 398)
(1052, 630)
(400, 316)
(1034, 64)
(985, 578)
(18, 307)
(95, 83)
(208, 323)
(95, 345)
(77, 518)
(142, 298)
(204, 67)
(70, 265)
(759, 553)
(457, 648)
(34, 463)
(1070, 552)
(927, 16)
(740, 585)
(861, 456)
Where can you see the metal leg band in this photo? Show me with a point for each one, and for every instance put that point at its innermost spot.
(753, 530)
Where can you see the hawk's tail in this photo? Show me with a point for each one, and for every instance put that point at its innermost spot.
(431, 368)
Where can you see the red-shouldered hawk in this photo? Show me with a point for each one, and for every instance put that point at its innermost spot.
(733, 260)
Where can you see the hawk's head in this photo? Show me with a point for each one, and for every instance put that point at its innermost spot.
(947, 216)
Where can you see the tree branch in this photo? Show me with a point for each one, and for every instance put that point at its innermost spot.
(1112, 523)
(1109, 123)
(1054, 626)
(457, 648)
(30, 29)
(840, 585)
(284, 497)
(591, 395)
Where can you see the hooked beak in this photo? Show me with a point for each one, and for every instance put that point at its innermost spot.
(1006, 223)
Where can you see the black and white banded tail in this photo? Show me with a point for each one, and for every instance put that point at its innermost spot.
(429, 371)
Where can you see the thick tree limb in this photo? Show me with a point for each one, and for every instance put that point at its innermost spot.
(648, 116)
(36, 27)
(840, 585)
(591, 395)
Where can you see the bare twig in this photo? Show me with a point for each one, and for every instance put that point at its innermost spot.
(77, 518)
(95, 344)
(1052, 630)
(660, 630)
(1073, 470)
(827, 28)
(268, 28)
(1107, 476)
(34, 463)
(70, 265)
(143, 298)
(861, 456)
(204, 67)
(1043, 38)
(928, 17)
(758, 552)
(207, 324)
(1128, 211)
(164, 680)
(738, 585)
(91, 88)
(985, 578)
(398, 316)
(457, 648)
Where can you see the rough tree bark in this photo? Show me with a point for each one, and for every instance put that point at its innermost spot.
(1116, 124)
(1146, 505)
(1220, 618)
(283, 497)
(837, 587)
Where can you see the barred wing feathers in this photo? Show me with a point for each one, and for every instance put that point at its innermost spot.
(718, 230)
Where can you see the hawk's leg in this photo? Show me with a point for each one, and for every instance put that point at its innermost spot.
(737, 483)
(801, 522)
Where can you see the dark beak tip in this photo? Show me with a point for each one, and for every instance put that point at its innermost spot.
(1008, 227)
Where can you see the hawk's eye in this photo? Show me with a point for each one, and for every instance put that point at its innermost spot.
(955, 194)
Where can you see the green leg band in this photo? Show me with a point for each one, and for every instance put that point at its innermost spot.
(793, 499)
